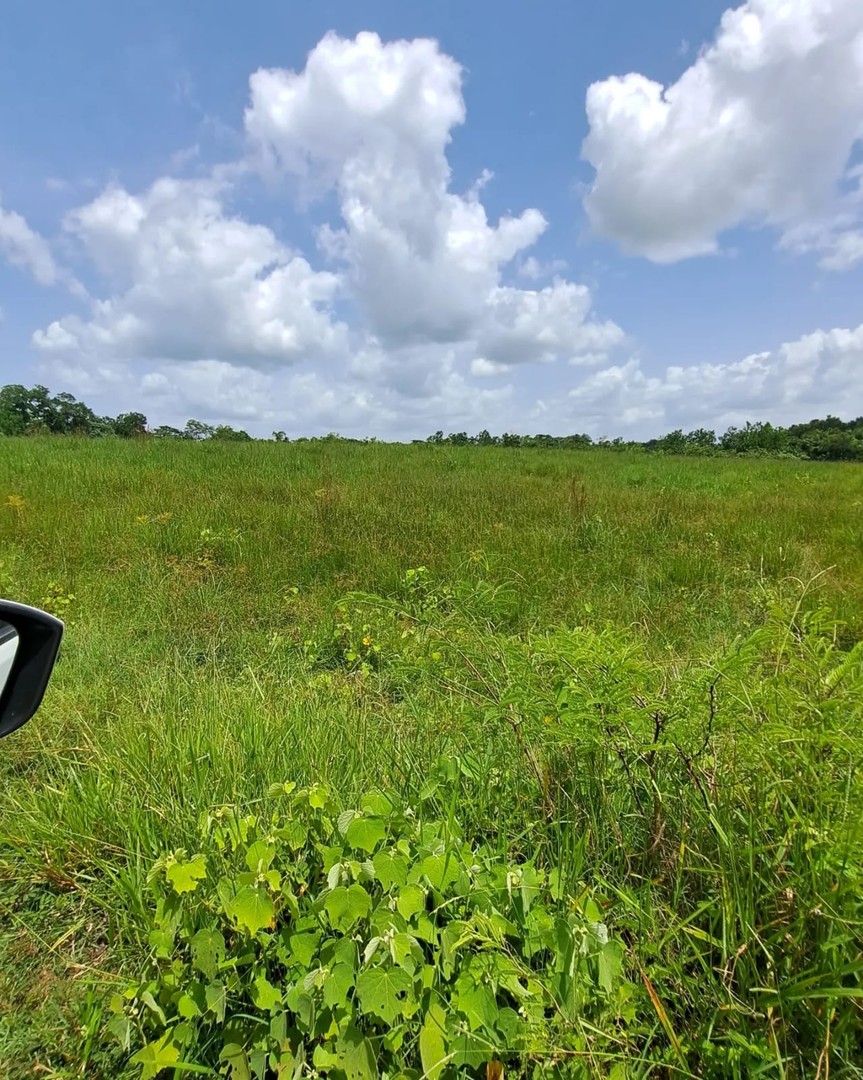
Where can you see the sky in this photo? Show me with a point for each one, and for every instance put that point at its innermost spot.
(389, 218)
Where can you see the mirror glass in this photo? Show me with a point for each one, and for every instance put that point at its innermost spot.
(8, 649)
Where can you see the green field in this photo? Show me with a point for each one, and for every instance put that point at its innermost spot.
(635, 681)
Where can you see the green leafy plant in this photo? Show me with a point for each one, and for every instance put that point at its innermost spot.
(363, 942)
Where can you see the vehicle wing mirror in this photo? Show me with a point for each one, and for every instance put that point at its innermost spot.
(29, 640)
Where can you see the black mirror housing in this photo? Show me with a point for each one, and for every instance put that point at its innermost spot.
(39, 636)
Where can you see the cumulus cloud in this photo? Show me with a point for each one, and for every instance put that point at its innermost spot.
(817, 374)
(212, 313)
(192, 282)
(758, 131)
(373, 120)
(23, 247)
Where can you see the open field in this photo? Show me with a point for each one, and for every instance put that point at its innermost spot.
(640, 676)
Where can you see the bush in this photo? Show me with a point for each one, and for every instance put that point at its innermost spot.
(366, 941)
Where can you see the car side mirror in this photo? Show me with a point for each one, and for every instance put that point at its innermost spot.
(29, 640)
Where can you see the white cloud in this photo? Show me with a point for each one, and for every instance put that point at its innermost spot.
(525, 326)
(206, 310)
(534, 270)
(373, 121)
(817, 374)
(191, 282)
(759, 130)
(23, 247)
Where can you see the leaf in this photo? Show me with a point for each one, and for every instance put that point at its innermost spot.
(324, 1059)
(345, 906)
(338, 985)
(294, 833)
(216, 996)
(433, 1042)
(303, 948)
(384, 991)
(494, 1070)
(441, 870)
(235, 1057)
(208, 951)
(156, 1056)
(410, 900)
(477, 1002)
(610, 965)
(184, 876)
(390, 869)
(358, 1056)
(162, 943)
(121, 1028)
(318, 795)
(379, 804)
(259, 856)
(253, 908)
(344, 819)
(265, 996)
(366, 833)
(187, 1007)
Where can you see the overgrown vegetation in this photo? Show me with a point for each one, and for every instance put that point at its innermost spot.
(550, 766)
(35, 412)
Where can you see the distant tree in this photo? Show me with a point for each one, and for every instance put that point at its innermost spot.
(280, 436)
(197, 430)
(229, 434)
(167, 432)
(131, 424)
(26, 412)
(71, 417)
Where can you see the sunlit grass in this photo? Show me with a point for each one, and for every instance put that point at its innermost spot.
(196, 574)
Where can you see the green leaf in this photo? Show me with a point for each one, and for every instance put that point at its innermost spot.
(187, 1007)
(338, 985)
(390, 869)
(433, 1042)
(324, 1058)
(156, 1056)
(610, 965)
(303, 948)
(366, 833)
(358, 1056)
(383, 992)
(468, 1049)
(208, 951)
(294, 833)
(235, 1057)
(162, 943)
(379, 804)
(345, 906)
(410, 900)
(121, 1028)
(265, 996)
(253, 908)
(184, 876)
(318, 795)
(406, 952)
(477, 1002)
(259, 856)
(216, 997)
(441, 870)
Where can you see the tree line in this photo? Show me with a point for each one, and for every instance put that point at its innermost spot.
(37, 412)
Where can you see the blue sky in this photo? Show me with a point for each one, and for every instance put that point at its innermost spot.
(176, 239)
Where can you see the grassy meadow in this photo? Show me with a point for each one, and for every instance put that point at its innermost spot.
(637, 677)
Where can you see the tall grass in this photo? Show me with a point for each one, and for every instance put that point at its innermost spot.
(619, 649)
